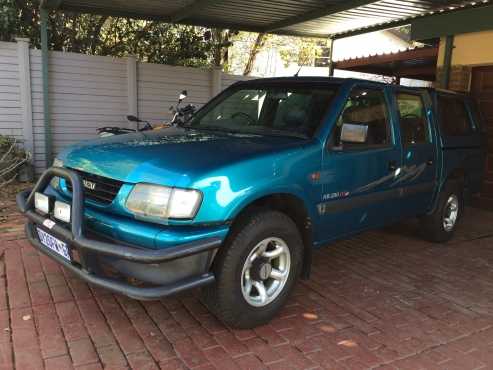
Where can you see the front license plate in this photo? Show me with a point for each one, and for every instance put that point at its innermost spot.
(54, 244)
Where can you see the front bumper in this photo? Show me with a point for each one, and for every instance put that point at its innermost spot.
(88, 248)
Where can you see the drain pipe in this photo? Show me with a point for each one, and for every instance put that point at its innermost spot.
(46, 102)
(44, 7)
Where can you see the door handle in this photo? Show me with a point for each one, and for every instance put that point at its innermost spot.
(429, 162)
(392, 166)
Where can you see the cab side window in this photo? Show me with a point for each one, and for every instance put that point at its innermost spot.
(453, 116)
(412, 119)
(364, 122)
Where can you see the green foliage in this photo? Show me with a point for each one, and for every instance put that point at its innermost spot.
(150, 41)
(16, 21)
(301, 51)
(155, 42)
(292, 50)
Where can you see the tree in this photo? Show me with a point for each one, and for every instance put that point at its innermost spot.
(292, 50)
(68, 31)
(220, 40)
(156, 42)
(298, 50)
(150, 41)
(257, 46)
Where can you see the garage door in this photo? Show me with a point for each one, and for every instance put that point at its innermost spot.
(482, 89)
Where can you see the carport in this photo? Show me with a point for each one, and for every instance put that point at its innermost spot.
(384, 299)
(328, 19)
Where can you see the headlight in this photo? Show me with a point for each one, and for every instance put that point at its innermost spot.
(62, 211)
(55, 181)
(163, 202)
(43, 203)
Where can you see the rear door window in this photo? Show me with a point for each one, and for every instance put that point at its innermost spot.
(453, 116)
(412, 119)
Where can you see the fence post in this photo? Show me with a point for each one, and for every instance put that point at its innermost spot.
(216, 81)
(25, 93)
(133, 107)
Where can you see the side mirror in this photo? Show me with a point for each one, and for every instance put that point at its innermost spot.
(183, 95)
(354, 133)
(132, 118)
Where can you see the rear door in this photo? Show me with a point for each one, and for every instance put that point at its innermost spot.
(461, 138)
(418, 177)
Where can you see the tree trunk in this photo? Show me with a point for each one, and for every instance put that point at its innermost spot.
(218, 47)
(96, 37)
(257, 46)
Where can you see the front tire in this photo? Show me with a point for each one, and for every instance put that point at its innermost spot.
(255, 270)
(440, 226)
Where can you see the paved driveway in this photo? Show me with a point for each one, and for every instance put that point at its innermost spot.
(385, 299)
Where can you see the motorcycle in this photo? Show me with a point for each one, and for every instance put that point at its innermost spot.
(180, 116)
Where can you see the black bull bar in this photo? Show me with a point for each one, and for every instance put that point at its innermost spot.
(76, 239)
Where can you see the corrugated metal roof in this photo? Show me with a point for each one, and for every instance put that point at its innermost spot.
(417, 63)
(318, 18)
(389, 23)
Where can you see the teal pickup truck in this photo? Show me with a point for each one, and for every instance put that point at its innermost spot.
(235, 199)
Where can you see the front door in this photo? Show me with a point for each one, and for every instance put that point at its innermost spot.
(419, 168)
(358, 175)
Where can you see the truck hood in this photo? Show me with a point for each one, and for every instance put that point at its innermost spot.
(168, 156)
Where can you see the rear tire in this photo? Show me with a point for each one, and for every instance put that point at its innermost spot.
(255, 270)
(439, 226)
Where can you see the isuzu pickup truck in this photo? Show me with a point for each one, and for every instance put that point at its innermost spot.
(235, 200)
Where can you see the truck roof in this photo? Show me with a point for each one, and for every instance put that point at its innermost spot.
(333, 80)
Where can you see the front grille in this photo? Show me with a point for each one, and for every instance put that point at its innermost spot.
(105, 189)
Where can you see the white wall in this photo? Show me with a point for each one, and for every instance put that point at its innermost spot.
(10, 106)
(159, 87)
(87, 92)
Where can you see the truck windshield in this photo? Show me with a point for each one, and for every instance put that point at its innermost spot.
(280, 111)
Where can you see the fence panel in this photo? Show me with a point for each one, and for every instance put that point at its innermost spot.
(159, 86)
(10, 101)
(87, 92)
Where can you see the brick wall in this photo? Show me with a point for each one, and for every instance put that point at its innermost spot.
(460, 78)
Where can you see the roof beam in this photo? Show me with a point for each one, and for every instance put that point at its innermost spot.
(417, 71)
(190, 9)
(374, 28)
(50, 4)
(412, 20)
(316, 14)
(430, 53)
(453, 23)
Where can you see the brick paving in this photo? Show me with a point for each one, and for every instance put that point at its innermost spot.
(382, 300)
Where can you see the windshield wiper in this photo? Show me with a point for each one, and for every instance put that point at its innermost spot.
(266, 131)
(275, 132)
(214, 128)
